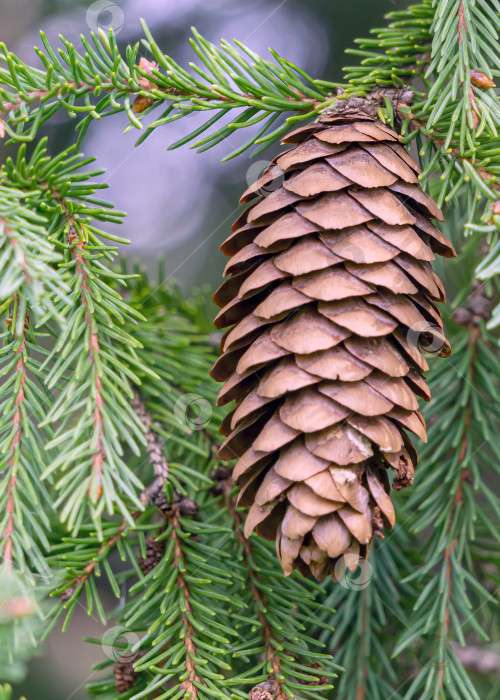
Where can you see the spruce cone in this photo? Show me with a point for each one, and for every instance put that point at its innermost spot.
(331, 292)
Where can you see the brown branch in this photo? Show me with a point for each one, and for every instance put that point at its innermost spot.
(462, 38)
(154, 448)
(8, 531)
(187, 685)
(94, 490)
(109, 544)
(148, 497)
(77, 247)
(36, 96)
(259, 597)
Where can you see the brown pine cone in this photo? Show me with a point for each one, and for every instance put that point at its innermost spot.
(332, 295)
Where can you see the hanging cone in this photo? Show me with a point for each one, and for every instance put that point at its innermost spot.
(331, 296)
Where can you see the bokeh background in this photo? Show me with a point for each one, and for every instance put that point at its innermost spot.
(179, 204)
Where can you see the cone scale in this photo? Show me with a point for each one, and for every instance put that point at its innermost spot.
(331, 302)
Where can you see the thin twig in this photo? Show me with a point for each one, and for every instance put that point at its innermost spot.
(148, 496)
(109, 544)
(14, 446)
(154, 448)
(36, 96)
(94, 489)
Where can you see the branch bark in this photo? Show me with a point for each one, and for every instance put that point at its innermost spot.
(14, 447)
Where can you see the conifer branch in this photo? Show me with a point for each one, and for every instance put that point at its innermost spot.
(80, 579)
(124, 374)
(371, 604)
(260, 601)
(149, 496)
(450, 594)
(191, 684)
(25, 506)
(94, 489)
(14, 447)
(264, 89)
(94, 315)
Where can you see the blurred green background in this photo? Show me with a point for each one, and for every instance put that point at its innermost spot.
(178, 203)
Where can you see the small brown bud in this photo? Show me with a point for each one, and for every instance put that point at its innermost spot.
(267, 690)
(322, 680)
(475, 119)
(479, 303)
(141, 103)
(477, 307)
(481, 80)
(165, 507)
(406, 97)
(495, 208)
(148, 67)
(72, 237)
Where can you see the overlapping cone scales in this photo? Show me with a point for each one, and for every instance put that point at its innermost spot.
(331, 298)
